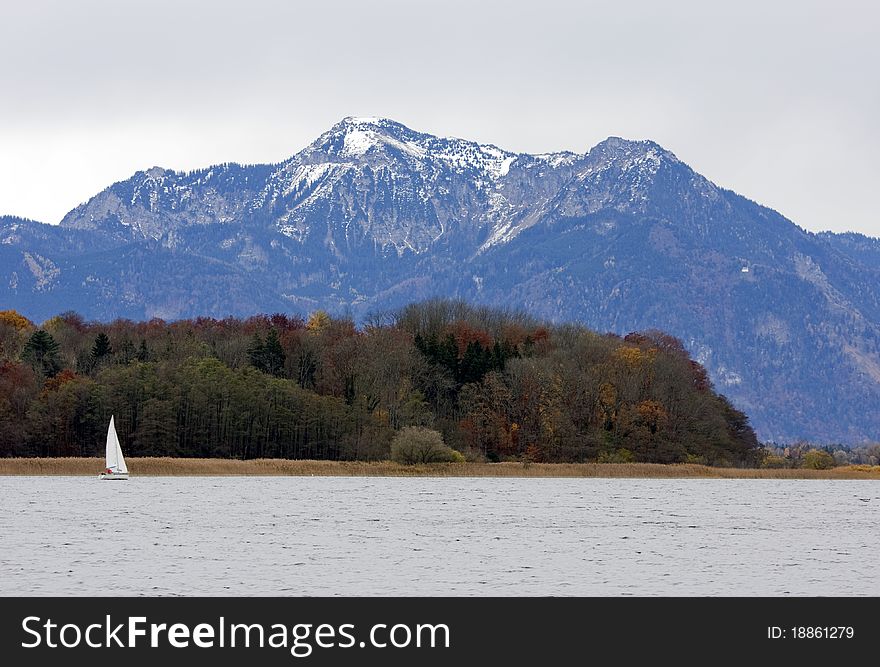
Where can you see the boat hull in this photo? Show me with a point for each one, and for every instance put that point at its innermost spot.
(113, 475)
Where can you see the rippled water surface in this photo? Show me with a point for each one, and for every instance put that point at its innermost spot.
(421, 536)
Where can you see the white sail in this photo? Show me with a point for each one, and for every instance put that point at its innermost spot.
(119, 459)
(115, 462)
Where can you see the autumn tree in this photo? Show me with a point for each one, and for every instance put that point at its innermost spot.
(318, 320)
(13, 328)
(818, 459)
(415, 444)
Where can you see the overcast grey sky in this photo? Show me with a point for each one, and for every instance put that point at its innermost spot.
(779, 101)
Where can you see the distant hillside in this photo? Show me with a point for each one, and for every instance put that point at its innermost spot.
(492, 385)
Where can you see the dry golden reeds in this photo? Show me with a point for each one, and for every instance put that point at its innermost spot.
(167, 466)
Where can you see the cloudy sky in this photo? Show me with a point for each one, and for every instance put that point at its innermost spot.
(777, 100)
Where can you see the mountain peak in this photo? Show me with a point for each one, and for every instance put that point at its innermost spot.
(637, 157)
(370, 123)
(355, 136)
(376, 121)
(618, 148)
(156, 172)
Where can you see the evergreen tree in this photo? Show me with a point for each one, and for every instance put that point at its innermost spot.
(476, 362)
(267, 357)
(273, 355)
(41, 352)
(447, 355)
(101, 348)
(126, 353)
(143, 353)
(256, 351)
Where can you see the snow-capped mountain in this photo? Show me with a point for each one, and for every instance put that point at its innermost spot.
(372, 215)
(366, 183)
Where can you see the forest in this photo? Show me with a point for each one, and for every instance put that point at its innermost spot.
(497, 385)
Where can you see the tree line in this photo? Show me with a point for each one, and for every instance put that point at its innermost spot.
(497, 385)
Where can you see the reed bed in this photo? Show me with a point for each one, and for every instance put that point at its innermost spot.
(167, 466)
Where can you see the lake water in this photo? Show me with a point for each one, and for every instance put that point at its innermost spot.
(429, 536)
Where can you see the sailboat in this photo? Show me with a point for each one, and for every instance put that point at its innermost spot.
(116, 468)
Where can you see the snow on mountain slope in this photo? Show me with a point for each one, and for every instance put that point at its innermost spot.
(366, 181)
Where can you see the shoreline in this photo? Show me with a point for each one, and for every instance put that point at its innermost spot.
(192, 467)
